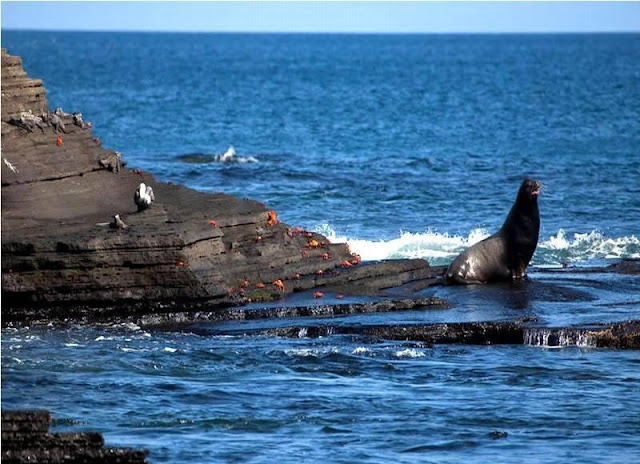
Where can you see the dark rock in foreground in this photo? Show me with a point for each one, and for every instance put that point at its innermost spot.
(26, 439)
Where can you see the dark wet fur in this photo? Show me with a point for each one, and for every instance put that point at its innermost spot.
(506, 254)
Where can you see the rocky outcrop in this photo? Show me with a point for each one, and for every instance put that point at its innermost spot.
(20, 92)
(623, 335)
(474, 333)
(60, 191)
(26, 439)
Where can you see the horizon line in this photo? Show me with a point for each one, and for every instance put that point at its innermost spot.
(143, 31)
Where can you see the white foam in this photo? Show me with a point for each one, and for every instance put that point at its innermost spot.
(310, 352)
(440, 248)
(361, 350)
(586, 246)
(409, 353)
(230, 156)
(302, 352)
(130, 350)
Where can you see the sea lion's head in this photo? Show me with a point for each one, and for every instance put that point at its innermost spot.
(530, 189)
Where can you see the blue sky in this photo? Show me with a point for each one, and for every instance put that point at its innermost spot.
(384, 17)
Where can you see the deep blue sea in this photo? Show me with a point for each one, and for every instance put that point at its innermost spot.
(403, 146)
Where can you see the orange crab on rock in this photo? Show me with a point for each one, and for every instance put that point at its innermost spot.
(318, 295)
(279, 285)
(260, 285)
(273, 218)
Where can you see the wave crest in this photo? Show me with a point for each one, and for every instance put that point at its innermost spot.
(440, 248)
(583, 247)
(228, 157)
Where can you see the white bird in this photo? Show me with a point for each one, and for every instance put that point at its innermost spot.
(143, 196)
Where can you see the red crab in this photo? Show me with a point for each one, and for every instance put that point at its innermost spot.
(279, 284)
(273, 218)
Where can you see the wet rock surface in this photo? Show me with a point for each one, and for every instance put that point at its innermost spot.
(26, 439)
(586, 308)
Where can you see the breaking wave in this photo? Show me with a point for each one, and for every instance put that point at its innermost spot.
(230, 156)
(440, 248)
(583, 247)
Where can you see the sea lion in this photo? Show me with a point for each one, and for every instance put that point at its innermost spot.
(143, 196)
(506, 254)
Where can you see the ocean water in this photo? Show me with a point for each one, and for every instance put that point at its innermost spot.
(403, 146)
(202, 399)
(416, 141)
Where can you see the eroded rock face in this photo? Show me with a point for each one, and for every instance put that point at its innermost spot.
(59, 193)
